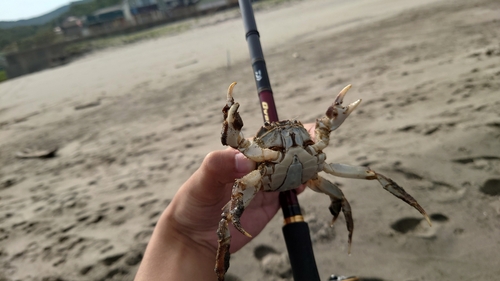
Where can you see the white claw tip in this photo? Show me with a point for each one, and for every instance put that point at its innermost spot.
(356, 103)
(344, 91)
(230, 90)
(428, 220)
(340, 96)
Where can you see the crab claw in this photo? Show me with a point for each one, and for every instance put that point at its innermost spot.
(230, 99)
(338, 113)
(231, 127)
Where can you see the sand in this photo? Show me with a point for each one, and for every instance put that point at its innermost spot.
(429, 76)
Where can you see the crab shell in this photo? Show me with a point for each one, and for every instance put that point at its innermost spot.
(298, 165)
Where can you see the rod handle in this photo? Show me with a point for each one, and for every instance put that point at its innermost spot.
(299, 246)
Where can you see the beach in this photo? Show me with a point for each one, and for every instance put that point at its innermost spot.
(132, 123)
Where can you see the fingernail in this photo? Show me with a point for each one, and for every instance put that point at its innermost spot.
(243, 164)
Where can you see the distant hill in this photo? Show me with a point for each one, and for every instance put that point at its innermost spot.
(40, 20)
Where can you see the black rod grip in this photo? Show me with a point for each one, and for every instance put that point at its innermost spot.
(299, 246)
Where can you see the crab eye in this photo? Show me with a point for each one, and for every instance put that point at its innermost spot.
(266, 124)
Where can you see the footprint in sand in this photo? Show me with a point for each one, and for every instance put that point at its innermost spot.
(132, 184)
(148, 204)
(491, 187)
(486, 163)
(53, 278)
(495, 125)
(272, 262)
(143, 236)
(112, 259)
(428, 129)
(321, 230)
(230, 277)
(443, 192)
(418, 226)
(4, 234)
(101, 265)
(101, 272)
(9, 182)
(115, 266)
(134, 257)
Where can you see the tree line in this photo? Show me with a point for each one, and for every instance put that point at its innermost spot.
(29, 37)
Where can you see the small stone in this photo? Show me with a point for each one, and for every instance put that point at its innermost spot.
(480, 164)
(277, 265)
(134, 258)
(8, 183)
(496, 206)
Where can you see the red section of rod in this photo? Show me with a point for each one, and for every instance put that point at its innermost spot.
(268, 107)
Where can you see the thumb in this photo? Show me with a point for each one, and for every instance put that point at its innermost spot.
(218, 169)
(225, 165)
(243, 165)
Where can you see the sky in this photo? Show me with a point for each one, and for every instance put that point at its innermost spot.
(24, 9)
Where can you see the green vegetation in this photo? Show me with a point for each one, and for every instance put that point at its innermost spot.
(262, 5)
(28, 37)
(119, 40)
(10, 38)
(82, 9)
(3, 75)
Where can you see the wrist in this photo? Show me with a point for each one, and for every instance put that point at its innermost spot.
(193, 239)
(174, 255)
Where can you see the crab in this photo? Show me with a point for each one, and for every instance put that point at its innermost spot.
(286, 158)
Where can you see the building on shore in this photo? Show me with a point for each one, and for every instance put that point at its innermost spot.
(71, 27)
(128, 17)
(108, 19)
(137, 12)
(126, 14)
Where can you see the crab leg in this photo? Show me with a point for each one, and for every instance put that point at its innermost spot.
(339, 202)
(244, 190)
(223, 255)
(232, 135)
(334, 117)
(359, 172)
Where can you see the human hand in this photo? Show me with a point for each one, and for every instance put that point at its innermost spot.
(189, 224)
(204, 195)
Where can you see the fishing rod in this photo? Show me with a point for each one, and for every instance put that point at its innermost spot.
(295, 229)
